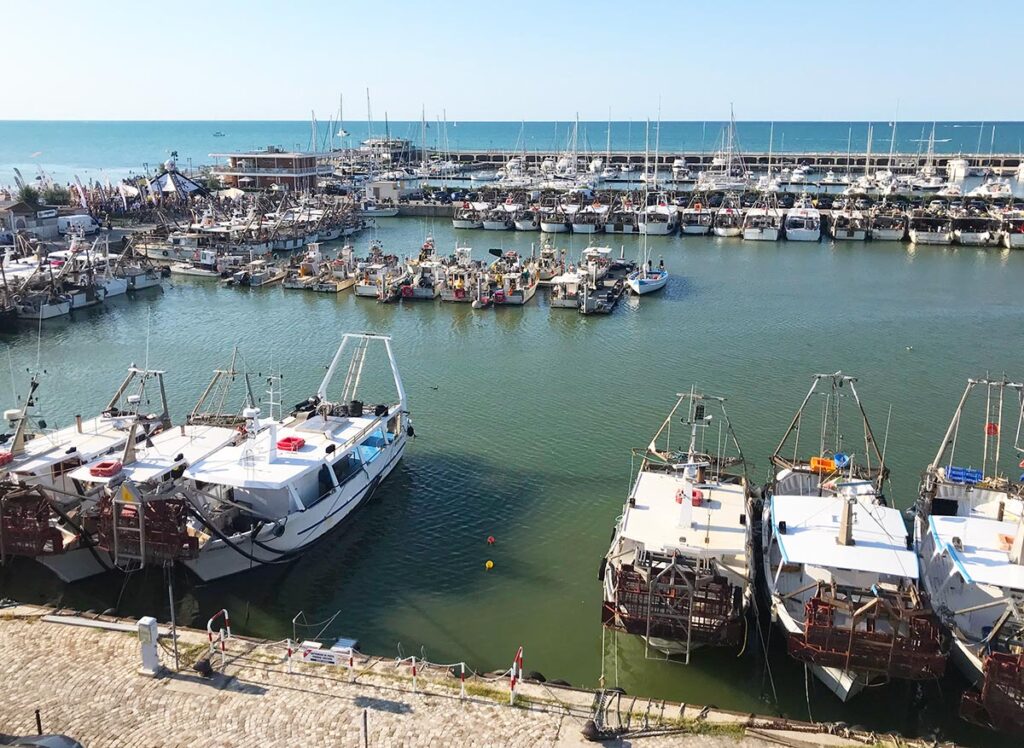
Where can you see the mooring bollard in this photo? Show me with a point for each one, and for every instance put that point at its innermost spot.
(462, 680)
(515, 674)
(290, 652)
(351, 665)
(414, 673)
(39, 723)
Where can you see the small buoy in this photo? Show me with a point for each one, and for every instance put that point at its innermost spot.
(490, 540)
(489, 565)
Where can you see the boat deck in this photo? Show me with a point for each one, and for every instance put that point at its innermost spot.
(812, 530)
(982, 557)
(98, 436)
(663, 524)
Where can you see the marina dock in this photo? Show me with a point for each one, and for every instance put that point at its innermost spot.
(78, 675)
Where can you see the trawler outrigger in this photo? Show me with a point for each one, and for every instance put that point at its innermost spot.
(839, 568)
(969, 531)
(678, 572)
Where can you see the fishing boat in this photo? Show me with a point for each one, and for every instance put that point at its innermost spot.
(288, 483)
(840, 573)
(930, 227)
(848, 224)
(567, 289)
(622, 218)
(696, 218)
(338, 274)
(553, 220)
(469, 215)
(970, 541)
(803, 221)
(763, 222)
(658, 218)
(679, 571)
(513, 282)
(378, 270)
(41, 305)
(550, 263)
(526, 220)
(887, 224)
(255, 274)
(729, 217)
(500, 217)
(590, 219)
(426, 276)
(463, 278)
(1013, 229)
(976, 230)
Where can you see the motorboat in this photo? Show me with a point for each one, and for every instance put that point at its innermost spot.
(887, 224)
(1013, 229)
(848, 224)
(930, 227)
(763, 221)
(974, 230)
(729, 217)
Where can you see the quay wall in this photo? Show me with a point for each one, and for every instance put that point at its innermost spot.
(82, 675)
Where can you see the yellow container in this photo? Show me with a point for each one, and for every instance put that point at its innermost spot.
(822, 464)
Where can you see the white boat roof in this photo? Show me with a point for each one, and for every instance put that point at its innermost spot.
(662, 524)
(246, 465)
(169, 449)
(99, 436)
(812, 529)
(983, 558)
(567, 278)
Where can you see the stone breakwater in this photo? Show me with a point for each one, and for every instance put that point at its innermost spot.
(84, 681)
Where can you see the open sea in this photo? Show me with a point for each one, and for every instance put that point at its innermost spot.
(101, 150)
(525, 419)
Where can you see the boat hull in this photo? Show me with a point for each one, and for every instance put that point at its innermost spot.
(526, 224)
(727, 231)
(496, 226)
(976, 238)
(803, 235)
(463, 223)
(887, 235)
(554, 227)
(931, 237)
(217, 559)
(584, 228)
(769, 234)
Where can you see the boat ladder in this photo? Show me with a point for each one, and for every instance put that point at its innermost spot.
(129, 535)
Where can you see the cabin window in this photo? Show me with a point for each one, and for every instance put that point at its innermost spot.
(346, 468)
(373, 445)
(61, 469)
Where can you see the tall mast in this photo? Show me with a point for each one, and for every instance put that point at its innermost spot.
(867, 161)
(892, 142)
(657, 145)
(608, 146)
(771, 140)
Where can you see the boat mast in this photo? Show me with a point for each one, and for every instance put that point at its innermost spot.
(892, 141)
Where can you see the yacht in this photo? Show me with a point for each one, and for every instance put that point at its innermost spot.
(729, 217)
(679, 571)
(839, 569)
(288, 483)
(803, 221)
(763, 222)
(993, 188)
(969, 536)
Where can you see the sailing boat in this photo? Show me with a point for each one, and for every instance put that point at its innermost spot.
(646, 279)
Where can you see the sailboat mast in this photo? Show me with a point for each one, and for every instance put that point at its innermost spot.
(892, 141)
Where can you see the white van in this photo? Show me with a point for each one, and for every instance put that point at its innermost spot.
(85, 223)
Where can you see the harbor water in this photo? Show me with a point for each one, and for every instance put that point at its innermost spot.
(525, 420)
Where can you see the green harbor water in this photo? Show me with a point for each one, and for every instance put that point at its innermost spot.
(525, 420)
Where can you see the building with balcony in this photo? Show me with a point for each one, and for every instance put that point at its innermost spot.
(270, 169)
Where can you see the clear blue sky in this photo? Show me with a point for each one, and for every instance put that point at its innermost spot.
(228, 59)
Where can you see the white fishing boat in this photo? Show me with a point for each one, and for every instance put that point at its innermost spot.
(840, 574)
(376, 271)
(550, 263)
(763, 222)
(205, 265)
(41, 305)
(887, 224)
(647, 279)
(1013, 229)
(469, 215)
(500, 217)
(969, 533)
(463, 278)
(567, 289)
(290, 483)
(553, 220)
(513, 282)
(658, 218)
(696, 218)
(927, 227)
(255, 274)
(848, 224)
(425, 281)
(729, 217)
(590, 219)
(803, 221)
(976, 230)
(679, 572)
(526, 220)
(622, 218)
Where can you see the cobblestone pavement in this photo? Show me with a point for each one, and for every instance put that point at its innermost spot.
(85, 683)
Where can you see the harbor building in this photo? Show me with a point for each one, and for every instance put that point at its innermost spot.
(272, 168)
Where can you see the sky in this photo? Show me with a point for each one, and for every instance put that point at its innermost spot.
(257, 60)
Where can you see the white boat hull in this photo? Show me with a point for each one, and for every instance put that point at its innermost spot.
(517, 299)
(851, 235)
(647, 285)
(584, 228)
(554, 227)
(496, 226)
(976, 238)
(44, 311)
(114, 287)
(1013, 241)
(77, 564)
(657, 228)
(217, 559)
(803, 235)
(464, 223)
(621, 228)
(369, 291)
(930, 237)
(695, 229)
(769, 234)
(526, 224)
(887, 235)
(727, 231)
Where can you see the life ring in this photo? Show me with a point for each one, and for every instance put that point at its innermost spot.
(165, 253)
(697, 206)
(407, 291)
(460, 293)
(499, 297)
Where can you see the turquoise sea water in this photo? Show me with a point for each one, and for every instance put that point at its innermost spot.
(95, 150)
(525, 419)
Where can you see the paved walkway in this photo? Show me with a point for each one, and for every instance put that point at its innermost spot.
(84, 682)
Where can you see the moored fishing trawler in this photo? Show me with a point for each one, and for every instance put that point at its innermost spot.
(512, 281)
(840, 575)
(378, 271)
(763, 222)
(1013, 229)
(696, 218)
(926, 227)
(803, 221)
(679, 571)
(848, 225)
(729, 217)
(290, 482)
(969, 533)
(886, 223)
